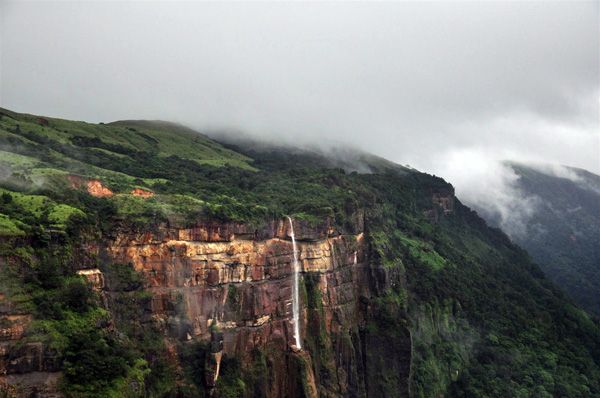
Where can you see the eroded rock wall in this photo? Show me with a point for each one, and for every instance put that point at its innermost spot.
(237, 280)
(228, 285)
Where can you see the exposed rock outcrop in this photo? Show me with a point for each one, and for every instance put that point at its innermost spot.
(94, 187)
(97, 189)
(94, 277)
(229, 278)
(142, 193)
(443, 204)
(26, 369)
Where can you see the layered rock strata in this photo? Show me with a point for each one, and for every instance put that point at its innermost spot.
(238, 281)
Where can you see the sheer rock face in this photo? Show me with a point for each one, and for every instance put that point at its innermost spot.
(239, 280)
(25, 367)
(208, 274)
(230, 286)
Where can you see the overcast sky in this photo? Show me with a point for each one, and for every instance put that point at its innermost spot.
(443, 87)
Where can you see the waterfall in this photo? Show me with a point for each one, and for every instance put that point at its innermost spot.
(295, 289)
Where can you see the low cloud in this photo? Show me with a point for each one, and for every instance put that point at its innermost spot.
(412, 82)
(491, 186)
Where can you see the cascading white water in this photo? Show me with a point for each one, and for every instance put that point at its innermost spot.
(295, 289)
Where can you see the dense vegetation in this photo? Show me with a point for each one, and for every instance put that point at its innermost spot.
(483, 319)
(563, 232)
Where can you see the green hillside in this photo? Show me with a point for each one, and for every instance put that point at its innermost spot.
(483, 319)
(118, 139)
(563, 232)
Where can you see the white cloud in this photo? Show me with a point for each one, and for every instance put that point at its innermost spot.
(412, 82)
(483, 181)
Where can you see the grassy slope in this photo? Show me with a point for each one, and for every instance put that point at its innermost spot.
(39, 152)
(162, 138)
(175, 139)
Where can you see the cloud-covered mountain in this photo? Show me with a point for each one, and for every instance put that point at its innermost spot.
(139, 258)
(553, 212)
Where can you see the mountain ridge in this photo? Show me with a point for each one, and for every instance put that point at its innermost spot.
(128, 272)
(563, 227)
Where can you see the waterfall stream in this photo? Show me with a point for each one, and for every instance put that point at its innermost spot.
(295, 289)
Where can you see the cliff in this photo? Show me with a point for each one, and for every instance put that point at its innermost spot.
(26, 367)
(227, 284)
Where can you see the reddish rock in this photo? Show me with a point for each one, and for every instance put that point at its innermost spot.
(94, 277)
(95, 188)
(142, 193)
(228, 277)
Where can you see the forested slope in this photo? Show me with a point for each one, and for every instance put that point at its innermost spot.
(406, 291)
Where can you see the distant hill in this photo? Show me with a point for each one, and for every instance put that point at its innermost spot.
(562, 233)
